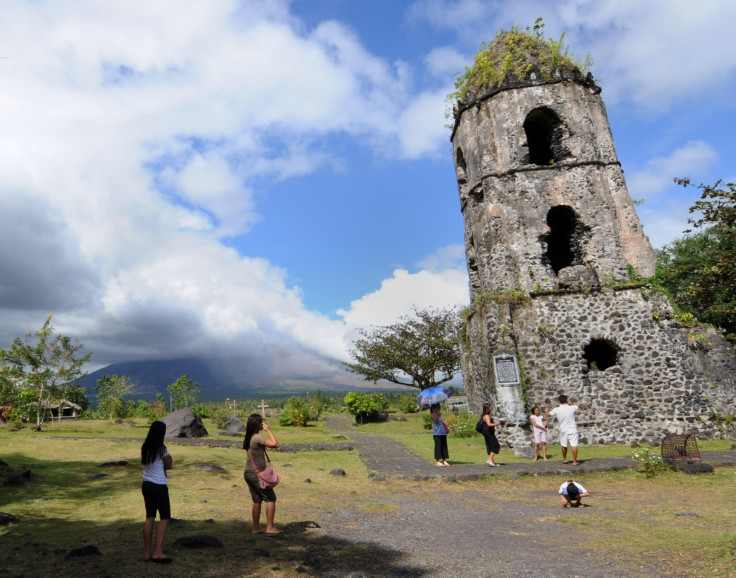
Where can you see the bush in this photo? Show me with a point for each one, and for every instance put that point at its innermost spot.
(407, 403)
(462, 425)
(365, 406)
(648, 463)
(298, 412)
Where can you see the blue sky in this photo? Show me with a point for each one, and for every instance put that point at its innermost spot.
(263, 179)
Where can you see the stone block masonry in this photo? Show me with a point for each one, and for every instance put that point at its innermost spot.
(619, 353)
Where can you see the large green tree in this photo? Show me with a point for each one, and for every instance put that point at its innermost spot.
(420, 350)
(43, 367)
(699, 270)
(111, 392)
(184, 392)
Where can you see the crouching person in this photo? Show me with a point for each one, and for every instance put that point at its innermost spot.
(572, 494)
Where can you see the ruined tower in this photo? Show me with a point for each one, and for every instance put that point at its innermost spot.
(554, 247)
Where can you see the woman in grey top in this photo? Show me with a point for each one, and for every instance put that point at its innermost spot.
(256, 446)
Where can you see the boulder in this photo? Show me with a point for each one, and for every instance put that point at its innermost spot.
(234, 424)
(524, 452)
(10, 476)
(184, 423)
(695, 468)
(6, 519)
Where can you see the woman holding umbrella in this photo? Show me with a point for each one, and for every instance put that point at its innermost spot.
(439, 432)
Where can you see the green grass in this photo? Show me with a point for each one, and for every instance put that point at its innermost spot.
(472, 450)
(66, 505)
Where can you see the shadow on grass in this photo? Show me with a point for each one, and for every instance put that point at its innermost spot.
(39, 547)
(68, 480)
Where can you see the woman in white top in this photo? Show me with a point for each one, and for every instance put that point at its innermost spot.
(539, 427)
(156, 460)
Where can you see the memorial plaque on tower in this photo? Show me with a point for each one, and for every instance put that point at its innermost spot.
(507, 370)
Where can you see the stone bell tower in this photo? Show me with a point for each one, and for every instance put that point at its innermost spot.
(553, 246)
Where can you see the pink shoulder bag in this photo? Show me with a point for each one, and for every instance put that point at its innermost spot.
(267, 478)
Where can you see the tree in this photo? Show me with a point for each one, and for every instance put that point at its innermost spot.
(111, 392)
(184, 392)
(699, 270)
(418, 351)
(43, 370)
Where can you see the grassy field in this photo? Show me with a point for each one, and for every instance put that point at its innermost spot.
(683, 522)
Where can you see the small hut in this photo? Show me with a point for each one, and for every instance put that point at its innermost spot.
(62, 409)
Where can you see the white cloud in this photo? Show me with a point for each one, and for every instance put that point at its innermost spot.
(693, 159)
(404, 291)
(135, 137)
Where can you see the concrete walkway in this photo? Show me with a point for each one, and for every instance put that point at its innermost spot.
(386, 457)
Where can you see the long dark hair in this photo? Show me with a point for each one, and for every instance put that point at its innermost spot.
(487, 407)
(252, 428)
(153, 448)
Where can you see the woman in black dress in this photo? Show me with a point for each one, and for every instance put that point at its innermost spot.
(489, 433)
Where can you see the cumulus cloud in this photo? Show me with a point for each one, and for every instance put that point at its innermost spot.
(401, 293)
(136, 139)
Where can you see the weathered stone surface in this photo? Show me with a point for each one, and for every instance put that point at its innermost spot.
(550, 232)
(184, 423)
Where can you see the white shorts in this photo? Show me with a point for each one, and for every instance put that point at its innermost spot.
(540, 436)
(569, 438)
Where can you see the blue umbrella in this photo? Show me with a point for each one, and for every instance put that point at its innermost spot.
(432, 395)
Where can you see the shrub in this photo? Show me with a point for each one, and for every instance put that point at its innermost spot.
(407, 403)
(648, 463)
(462, 425)
(297, 412)
(365, 406)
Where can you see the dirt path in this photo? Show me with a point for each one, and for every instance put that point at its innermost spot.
(469, 534)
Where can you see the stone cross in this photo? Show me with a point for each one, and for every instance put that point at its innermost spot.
(263, 407)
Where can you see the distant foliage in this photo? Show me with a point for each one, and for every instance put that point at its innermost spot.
(297, 413)
(111, 392)
(184, 392)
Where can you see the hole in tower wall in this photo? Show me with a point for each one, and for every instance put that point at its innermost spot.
(601, 354)
(562, 240)
(544, 137)
(461, 167)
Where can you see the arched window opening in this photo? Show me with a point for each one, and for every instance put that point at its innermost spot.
(600, 354)
(460, 167)
(563, 247)
(544, 137)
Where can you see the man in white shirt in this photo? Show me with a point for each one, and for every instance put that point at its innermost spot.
(565, 414)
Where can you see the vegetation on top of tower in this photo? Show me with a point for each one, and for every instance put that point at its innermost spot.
(515, 51)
